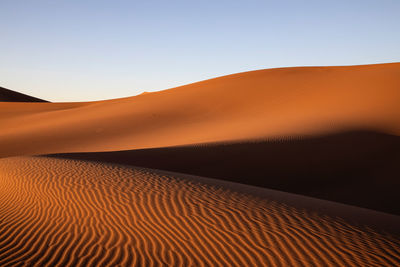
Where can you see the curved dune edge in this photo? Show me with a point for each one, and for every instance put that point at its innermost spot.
(58, 212)
(262, 104)
(358, 168)
(7, 95)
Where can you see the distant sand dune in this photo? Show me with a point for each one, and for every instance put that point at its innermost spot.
(252, 105)
(59, 212)
(7, 95)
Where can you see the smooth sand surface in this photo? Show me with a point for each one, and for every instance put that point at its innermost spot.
(59, 212)
(263, 104)
(16, 110)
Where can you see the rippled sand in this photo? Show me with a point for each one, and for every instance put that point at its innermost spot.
(59, 212)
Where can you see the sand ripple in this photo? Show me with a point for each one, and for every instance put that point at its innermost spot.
(57, 212)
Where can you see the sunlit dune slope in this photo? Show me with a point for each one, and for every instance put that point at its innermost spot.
(56, 212)
(7, 95)
(259, 104)
(12, 110)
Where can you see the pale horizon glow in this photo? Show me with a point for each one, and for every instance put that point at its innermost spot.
(93, 50)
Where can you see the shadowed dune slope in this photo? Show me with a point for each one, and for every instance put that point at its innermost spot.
(57, 212)
(7, 95)
(252, 105)
(359, 167)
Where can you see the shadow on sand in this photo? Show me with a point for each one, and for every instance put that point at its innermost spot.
(360, 168)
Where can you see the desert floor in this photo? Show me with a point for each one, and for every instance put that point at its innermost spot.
(61, 212)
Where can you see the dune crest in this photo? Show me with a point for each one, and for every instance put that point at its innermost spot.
(252, 105)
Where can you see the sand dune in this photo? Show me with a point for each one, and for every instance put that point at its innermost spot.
(327, 132)
(246, 106)
(11, 111)
(358, 167)
(7, 95)
(72, 213)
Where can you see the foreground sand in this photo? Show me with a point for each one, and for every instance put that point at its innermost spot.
(60, 212)
(359, 168)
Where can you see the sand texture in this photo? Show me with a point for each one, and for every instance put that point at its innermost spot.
(358, 167)
(59, 212)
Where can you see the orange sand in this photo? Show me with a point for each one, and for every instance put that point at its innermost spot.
(251, 105)
(71, 213)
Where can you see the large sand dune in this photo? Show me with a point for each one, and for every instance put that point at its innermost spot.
(72, 213)
(253, 105)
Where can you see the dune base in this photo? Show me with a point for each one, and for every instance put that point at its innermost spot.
(62, 212)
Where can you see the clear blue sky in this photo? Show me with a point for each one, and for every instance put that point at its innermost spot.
(75, 50)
